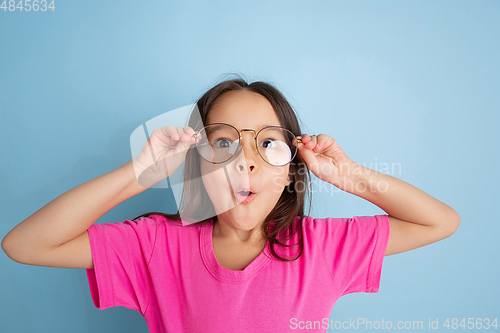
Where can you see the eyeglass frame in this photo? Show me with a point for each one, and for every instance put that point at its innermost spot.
(298, 140)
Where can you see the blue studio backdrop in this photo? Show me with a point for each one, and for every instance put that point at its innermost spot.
(407, 88)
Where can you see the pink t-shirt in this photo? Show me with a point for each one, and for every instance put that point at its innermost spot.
(169, 273)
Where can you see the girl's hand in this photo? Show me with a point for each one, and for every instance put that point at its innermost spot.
(162, 154)
(325, 158)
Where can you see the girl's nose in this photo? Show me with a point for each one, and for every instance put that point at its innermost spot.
(247, 159)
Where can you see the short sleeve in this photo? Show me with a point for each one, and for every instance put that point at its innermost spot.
(354, 250)
(121, 252)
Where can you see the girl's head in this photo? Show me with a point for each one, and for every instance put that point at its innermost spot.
(243, 109)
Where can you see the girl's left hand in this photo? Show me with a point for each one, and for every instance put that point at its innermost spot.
(325, 158)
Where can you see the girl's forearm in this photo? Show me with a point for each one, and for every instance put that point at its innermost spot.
(72, 213)
(398, 198)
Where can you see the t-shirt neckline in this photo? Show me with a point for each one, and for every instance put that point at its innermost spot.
(227, 275)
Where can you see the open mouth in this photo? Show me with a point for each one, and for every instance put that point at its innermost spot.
(245, 196)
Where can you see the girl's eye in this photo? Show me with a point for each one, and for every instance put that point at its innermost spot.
(269, 143)
(222, 143)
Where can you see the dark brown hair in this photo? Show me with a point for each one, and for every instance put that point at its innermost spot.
(280, 220)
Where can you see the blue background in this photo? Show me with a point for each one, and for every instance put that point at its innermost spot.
(411, 84)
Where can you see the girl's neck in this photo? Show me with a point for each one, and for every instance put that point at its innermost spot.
(222, 231)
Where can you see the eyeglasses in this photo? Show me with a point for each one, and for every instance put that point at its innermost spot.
(219, 142)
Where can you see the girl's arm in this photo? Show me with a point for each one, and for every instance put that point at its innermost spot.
(54, 235)
(416, 219)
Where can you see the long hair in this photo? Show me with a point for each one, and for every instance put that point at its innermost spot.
(279, 225)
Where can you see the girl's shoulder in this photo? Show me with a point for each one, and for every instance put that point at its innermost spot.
(172, 220)
(176, 226)
(343, 228)
(344, 224)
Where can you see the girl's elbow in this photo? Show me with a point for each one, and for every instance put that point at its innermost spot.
(454, 222)
(449, 223)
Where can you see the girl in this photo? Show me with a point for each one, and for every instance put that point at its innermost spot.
(240, 255)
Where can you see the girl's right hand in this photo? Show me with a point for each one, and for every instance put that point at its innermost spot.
(162, 154)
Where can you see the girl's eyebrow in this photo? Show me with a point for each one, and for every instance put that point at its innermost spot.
(259, 128)
(262, 126)
(269, 126)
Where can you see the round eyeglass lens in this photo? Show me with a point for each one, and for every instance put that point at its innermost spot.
(274, 147)
(218, 142)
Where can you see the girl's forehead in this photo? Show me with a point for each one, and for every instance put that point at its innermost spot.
(251, 119)
(240, 123)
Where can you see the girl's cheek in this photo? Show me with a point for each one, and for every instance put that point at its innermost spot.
(278, 179)
(212, 179)
(218, 190)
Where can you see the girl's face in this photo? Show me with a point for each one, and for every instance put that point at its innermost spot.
(249, 110)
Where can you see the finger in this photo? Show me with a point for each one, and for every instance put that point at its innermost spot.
(309, 157)
(179, 130)
(192, 134)
(305, 138)
(310, 142)
(315, 142)
(170, 132)
(188, 130)
(182, 135)
(322, 141)
(187, 137)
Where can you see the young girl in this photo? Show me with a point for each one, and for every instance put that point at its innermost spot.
(240, 255)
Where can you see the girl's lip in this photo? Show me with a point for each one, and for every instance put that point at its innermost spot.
(243, 199)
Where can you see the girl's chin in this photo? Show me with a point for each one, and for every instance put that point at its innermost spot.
(243, 220)
(228, 203)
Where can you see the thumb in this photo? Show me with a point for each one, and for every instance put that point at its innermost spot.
(185, 143)
(308, 156)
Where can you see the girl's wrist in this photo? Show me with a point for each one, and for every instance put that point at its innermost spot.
(348, 172)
